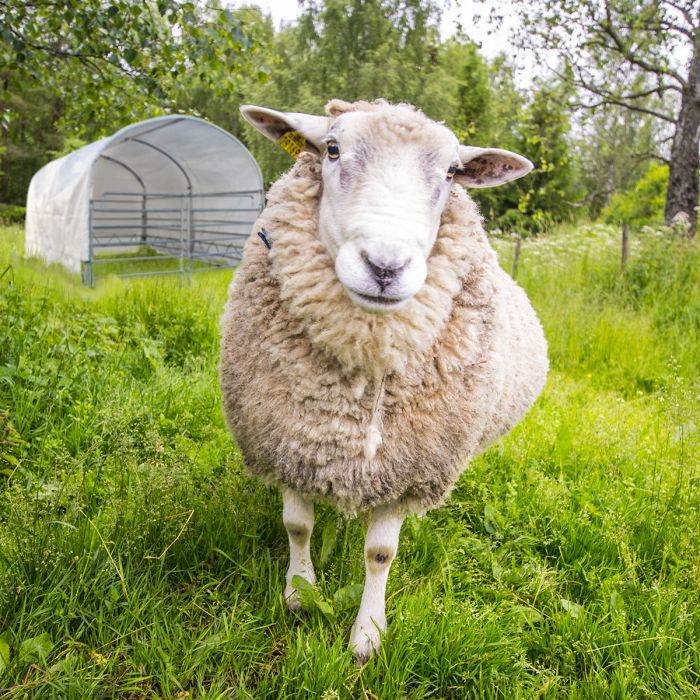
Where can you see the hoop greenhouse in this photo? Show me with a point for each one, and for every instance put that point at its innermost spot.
(176, 186)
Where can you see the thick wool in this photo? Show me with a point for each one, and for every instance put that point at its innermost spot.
(357, 409)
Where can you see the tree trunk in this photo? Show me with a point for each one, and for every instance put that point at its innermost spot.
(682, 191)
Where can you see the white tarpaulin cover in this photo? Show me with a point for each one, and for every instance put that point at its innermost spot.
(174, 155)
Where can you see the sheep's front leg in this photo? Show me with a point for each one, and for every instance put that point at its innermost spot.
(381, 544)
(298, 519)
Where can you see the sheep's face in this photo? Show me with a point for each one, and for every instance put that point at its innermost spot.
(384, 189)
(387, 172)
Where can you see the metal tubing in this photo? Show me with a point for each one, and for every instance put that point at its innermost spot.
(148, 274)
(139, 258)
(163, 152)
(165, 195)
(212, 240)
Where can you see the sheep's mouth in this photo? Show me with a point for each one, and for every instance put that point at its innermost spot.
(376, 303)
(387, 301)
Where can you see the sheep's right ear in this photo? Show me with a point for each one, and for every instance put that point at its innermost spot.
(488, 167)
(293, 131)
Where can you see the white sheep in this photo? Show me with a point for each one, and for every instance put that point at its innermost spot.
(371, 343)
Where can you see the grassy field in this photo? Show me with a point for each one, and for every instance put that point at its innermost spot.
(137, 559)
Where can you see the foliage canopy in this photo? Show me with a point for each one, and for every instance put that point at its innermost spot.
(111, 61)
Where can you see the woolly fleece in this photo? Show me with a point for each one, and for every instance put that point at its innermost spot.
(360, 410)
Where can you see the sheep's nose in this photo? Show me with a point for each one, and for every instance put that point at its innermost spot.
(384, 273)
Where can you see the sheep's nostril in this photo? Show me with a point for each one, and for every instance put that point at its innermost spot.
(383, 273)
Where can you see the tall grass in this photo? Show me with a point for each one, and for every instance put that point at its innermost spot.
(137, 559)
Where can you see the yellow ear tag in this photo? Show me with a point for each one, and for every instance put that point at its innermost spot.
(293, 142)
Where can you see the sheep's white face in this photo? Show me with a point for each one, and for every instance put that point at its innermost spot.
(386, 174)
(383, 195)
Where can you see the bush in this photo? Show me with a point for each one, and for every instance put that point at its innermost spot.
(643, 204)
(12, 214)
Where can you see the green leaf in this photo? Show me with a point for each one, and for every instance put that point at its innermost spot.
(574, 609)
(35, 649)
(616, 602)
(496, 569)
(311, 598)
(326, 609)
(306, 591)
(529, 615)
(491, 521)
(348, 597)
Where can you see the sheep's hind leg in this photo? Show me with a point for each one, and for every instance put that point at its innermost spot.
(298, 519)
(381, 544)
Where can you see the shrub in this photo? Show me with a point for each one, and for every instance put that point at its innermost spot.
(11, 214)
(643, 204)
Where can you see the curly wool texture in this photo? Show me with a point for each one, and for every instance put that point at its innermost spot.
(359, 410)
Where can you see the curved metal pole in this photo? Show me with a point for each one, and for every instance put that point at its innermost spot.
(131, 171)
(127, 168)
(167, 155)
(189, 202)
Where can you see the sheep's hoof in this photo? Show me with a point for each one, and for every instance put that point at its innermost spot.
(291, 598)
(291, 595)
(365, 640)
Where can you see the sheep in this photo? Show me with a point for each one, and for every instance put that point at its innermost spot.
(371, 343)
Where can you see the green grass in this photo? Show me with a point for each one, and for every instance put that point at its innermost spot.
(137, 559)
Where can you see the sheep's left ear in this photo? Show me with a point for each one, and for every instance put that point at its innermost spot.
(488, 167)
(293, 131)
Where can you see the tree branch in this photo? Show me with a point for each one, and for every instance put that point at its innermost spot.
(607, 28)
(683, 10)
(609, 97)
(661, 26)
(92, 60)
(651, 156)
(659, 90)
(609, 100)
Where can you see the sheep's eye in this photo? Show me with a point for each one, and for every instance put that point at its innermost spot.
(451, 171)
(333, 150)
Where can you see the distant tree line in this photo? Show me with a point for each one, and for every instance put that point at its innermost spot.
(74, 72)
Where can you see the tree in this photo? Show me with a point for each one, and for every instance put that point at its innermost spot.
(364, 49)
(205, 99)
(536, 126)
(613, 147)
(472, 115)
(370, 48)
(111, 61)
(352, 49)
(28, 138)
(626, 53)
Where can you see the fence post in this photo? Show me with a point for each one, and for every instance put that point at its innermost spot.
(625, 244)
(516, 255)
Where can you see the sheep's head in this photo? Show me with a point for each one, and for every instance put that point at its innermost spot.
(387, 171)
